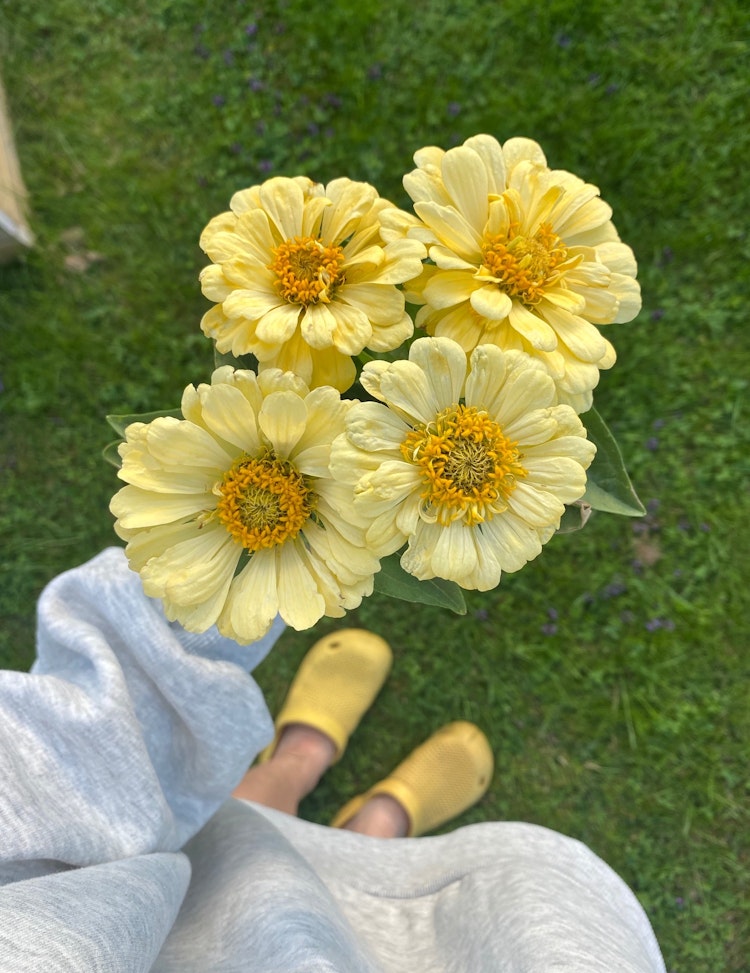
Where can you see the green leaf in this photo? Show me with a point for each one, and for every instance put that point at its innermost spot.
(111, 454)
(121, 423)
(227, 358)
(575, 517)
(392, 580)
(608, 487)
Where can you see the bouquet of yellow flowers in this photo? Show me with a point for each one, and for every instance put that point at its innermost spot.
(401, 402)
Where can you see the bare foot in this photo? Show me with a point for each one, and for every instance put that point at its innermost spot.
(381, 817)
(300, 759)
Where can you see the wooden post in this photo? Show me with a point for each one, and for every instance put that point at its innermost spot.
(14, 230)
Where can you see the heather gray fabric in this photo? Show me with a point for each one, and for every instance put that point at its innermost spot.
(120, 852)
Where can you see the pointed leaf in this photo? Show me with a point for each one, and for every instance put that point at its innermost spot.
(121, 423)
(110, 454)
(608, 487)
(392, 580)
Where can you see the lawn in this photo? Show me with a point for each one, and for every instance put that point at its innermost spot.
(611, 674)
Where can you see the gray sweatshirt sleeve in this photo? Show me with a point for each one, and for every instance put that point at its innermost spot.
(129, 732)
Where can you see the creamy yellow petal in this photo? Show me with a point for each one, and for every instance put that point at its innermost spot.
(282, 419)
(278, 324)
(136, 508)
(214, 284)
(375, 428)
(451, 229)
(486, 376)
(252, 602)
(517, 150)
(318, 325)
(515, 542)
(195, 570)
(351, 201)
(617, 257)
(449, 287)
(444, 362)
(490, 152)
(490, 302)
(539, 507)
(300, 602)
(228, 414)
(465, 179)
(178, 443)
(628, 292)
(405, 386)
(283, 201)
(532, 328)
(580, 337)
(330, 367)
(252, 299)
(380, 302)
(391, 335)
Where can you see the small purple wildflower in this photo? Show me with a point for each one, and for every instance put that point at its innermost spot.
(667, 255)
(657, 314)
(549, 628)
(265, 165)
(251, 30)
(594, 79)
(261, 127)
(375, 72)
(639, 527)
(481, 614)
(612, 89)
(255, 84)
(653, 505)
(658, 423)
(684, 524)
(652, 444)
(614, 589)
(563, 40)
(637, 566)
(653, 625)
(228, 58)
(200, 50)
(552, 614)
(706, 528)
(679, 902)
(235, 148)
(313, 128)
(454, 108)
(333, 100)
(219, 101)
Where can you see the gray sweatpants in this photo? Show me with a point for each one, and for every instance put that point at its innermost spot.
(119, 850)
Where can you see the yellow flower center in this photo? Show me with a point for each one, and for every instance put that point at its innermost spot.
(306, 271)
(263, 502)
(522, 266)
(468, 467)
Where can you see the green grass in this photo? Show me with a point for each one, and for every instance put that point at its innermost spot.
(611, 674)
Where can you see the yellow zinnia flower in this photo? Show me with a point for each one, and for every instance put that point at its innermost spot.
(524, 257)
(230, 514)
(304, 276)
(472, 470)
